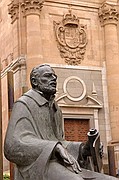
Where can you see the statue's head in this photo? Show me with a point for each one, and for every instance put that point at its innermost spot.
(43, 78)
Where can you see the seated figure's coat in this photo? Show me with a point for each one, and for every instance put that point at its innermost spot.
(35, 128)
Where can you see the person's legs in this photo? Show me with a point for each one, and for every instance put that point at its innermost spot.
(57, 171)
(91, 175)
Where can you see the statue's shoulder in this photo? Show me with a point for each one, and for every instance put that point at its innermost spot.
(26, 96)
(31, 97)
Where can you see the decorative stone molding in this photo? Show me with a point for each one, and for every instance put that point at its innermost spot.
(94, 102)
(74, 89)
(108, 14)
(5, 62)
(71, 39)
(13, 10)
(20, 62)
(32, 7)
(27, 7)
(14, 65)
(81, 93)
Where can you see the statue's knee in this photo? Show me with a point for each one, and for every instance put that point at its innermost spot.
(74, 177)
(78, 178)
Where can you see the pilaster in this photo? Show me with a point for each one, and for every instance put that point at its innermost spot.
(25, 16)
(109, 16)
(30, 7)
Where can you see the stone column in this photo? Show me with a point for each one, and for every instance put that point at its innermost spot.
(19, 46)
(31, 11)
(108, 15)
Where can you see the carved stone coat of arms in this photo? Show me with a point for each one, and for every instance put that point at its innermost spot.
(71, 39)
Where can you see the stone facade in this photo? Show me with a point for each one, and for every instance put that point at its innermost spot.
(79, 39)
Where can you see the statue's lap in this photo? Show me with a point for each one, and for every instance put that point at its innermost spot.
(57, 172)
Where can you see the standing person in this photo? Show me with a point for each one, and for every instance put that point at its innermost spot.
(34, 139)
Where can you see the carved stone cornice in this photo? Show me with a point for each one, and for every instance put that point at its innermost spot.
(13, 10)
(14, 65)
(108, 14)
(5, 62)
(27, 7)
(32, 7)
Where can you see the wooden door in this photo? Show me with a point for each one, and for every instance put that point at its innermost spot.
(76, 129)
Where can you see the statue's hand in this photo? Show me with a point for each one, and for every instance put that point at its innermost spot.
(67, 158)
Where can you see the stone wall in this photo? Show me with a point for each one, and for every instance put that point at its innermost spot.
(80, 41)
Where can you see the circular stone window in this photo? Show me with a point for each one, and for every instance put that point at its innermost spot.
(75, 88)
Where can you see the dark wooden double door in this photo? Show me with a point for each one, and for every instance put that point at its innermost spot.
(76, 129)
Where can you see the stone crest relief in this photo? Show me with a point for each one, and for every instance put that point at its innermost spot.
(71, 39)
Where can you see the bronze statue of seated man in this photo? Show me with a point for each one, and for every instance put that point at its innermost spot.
(35, 140)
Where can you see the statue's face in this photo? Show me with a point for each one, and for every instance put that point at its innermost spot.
(46, 81)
